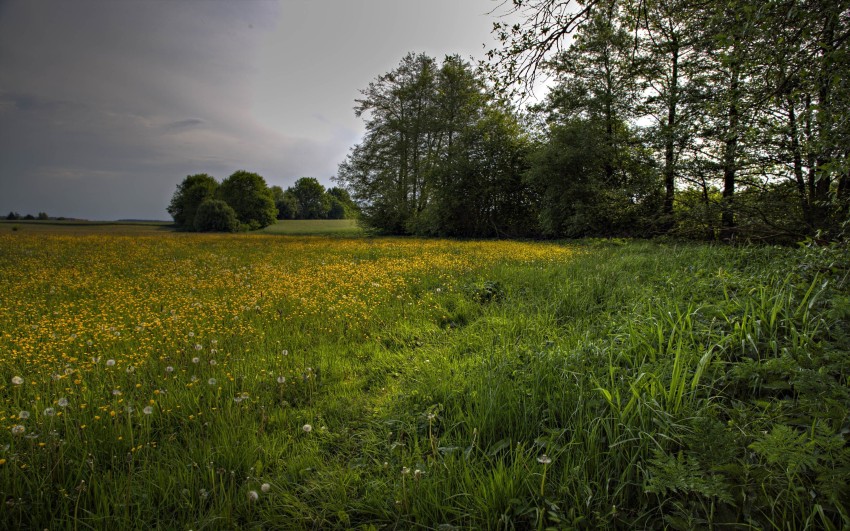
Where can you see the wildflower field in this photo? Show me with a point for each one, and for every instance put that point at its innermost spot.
(181, 381)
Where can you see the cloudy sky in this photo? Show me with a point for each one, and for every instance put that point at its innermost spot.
(106, 105)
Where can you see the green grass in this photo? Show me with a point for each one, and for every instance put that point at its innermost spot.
(635, 385)
(85, 227)
(326, 227)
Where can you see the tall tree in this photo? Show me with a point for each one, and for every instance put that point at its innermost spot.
(312, 201)
(188, 197)
(436, 141)
(387, 172)
(250, 197)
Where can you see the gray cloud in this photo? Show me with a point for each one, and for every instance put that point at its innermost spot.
(183, 124)
(105, 106)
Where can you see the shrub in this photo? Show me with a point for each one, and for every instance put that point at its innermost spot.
(214, 215)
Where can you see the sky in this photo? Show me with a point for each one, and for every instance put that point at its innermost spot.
(105, 106)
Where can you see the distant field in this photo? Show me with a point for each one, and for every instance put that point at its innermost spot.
(346, 227)
(86, 227)
(300, 227)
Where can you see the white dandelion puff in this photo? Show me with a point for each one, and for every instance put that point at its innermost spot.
(307, 428)
(17, 380)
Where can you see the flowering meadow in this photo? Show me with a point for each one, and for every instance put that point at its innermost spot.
(186, 381)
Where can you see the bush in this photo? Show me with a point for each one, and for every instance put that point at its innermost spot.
(250, 197)
(214, 215)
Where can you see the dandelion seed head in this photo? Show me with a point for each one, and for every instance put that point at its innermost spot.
(147, 410)
(265, 487)
(544, 459)
(23, 415)
(307, 428)
(253, 496)
(110, 363)
(196, 360)
(18, 430)
(212, 381)
(281, 379)
(17, 380)
(169, 369)
(62, 402)
(49, 412)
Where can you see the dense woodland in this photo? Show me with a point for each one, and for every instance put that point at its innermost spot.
(711, 120)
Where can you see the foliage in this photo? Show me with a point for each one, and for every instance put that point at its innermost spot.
(214, 215)
(441, 155)
(313, 202)
(249, 196)
(586, 190)
(193, 191)
(738, 96)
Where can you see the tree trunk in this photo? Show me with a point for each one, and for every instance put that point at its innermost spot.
(727, 218)
(669, 143)
(798, 161)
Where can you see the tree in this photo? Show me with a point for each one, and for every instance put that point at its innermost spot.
(12, 216)
(250, 197)
(288, 207)
(214, 215)
(188, 197)
(341, 196)
(311, 198)
(387, 172)
(43, 216)
(441, 154)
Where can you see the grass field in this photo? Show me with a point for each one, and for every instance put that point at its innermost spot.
(188, 381)
(330, 227)
(299, 227)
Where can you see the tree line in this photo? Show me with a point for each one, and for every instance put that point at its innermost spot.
(14, 216)
(713, 120)
(244, 201)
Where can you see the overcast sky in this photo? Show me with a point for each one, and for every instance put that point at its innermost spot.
(105, 106)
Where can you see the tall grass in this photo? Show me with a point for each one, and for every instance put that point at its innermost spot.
(619, 385)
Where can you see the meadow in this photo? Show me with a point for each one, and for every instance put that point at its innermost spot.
(189, 381)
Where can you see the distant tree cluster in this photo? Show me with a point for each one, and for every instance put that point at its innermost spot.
(712, 120)
(14, 216)
(243, 201)
(308, 199)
